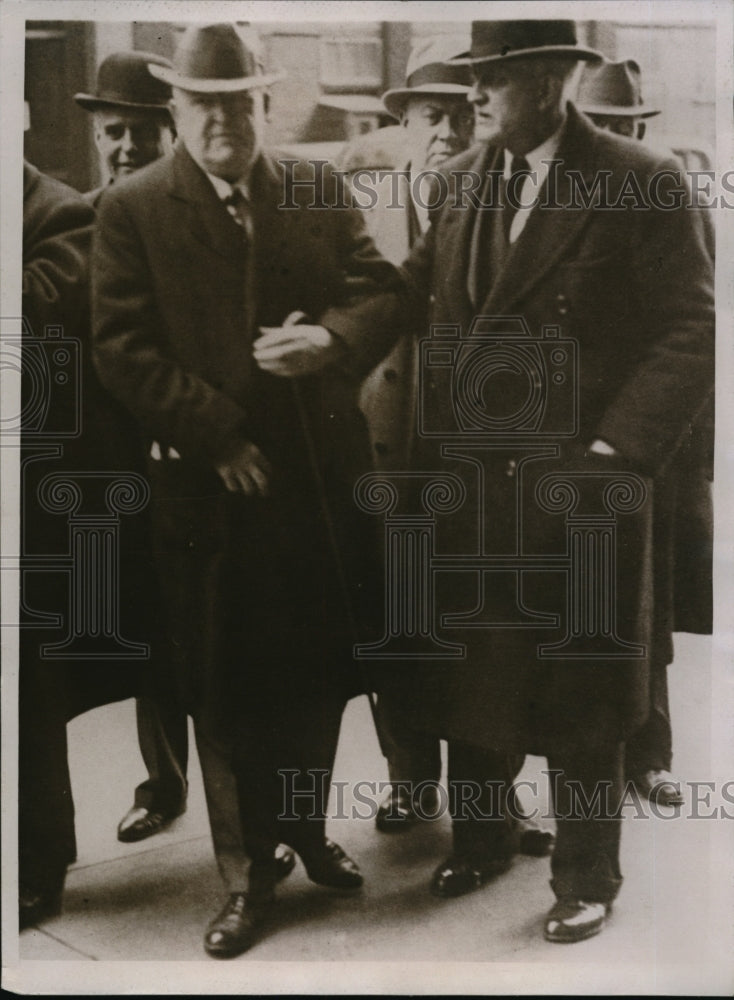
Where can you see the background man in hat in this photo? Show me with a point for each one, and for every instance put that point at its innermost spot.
(634, 290)
(611, 95)
(132, 128)
(251, 453)
(132, 121)
(436, 123)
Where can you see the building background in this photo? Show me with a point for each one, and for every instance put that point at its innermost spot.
(335, 75)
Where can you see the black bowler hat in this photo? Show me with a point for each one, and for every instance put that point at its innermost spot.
(215, 59)
(123, 81)
(500, 41)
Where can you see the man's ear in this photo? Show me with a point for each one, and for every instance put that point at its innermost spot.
(173, 111)
(641, 129)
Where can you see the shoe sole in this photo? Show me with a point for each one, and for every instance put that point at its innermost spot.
(592, 932)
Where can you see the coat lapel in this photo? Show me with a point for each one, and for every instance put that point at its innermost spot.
(206, 216)
(549, 230)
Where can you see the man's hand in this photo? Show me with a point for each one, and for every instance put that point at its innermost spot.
(292, 350)
(246, 471)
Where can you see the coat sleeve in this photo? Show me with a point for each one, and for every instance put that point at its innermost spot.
(57, 233)
(132, 357)
(672, 278)
(367, 311)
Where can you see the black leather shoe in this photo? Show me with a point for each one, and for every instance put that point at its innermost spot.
(659, 787)
(285, 862)
(573, 919)
(139, 823)
(459, 875)
(35, 906)
(237, 927)
(534, 840)
(331, 866)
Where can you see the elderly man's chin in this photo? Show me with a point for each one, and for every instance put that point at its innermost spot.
(224, 159)
(485, 130)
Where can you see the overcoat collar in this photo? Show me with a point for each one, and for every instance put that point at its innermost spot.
(208, 219)
(547, 233)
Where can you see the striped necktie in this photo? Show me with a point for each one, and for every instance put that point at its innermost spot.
(238, 206)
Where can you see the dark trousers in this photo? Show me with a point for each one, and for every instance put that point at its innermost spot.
(164, 745)
(651, 747)
(586, 787)
(272, 787)
(412, 756)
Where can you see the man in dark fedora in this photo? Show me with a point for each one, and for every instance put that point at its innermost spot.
(532, 256)
(436, 124)
(212, 311)
(132, 128)
(611, 95)
(132, 120)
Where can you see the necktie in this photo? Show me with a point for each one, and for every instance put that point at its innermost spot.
(519, 169)
(238, 207)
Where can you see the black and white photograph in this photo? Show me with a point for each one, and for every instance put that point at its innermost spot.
(367, 461)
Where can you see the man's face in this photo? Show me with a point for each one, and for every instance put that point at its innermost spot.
(629, 125)
(506, 105)
(222, 132)
(437, 127)
(129, 140)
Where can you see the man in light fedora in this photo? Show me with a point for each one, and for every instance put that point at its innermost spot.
(213, 310)
(529, 255)
(132, 128)
(130, 109)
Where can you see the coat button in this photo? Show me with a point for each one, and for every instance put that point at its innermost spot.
(381, 448)
(390, 375)
(511, 467)
(562, 303)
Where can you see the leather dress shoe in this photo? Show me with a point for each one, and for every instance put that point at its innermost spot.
(35, 906)
(139, 823)
(397, 811)
(573, 919)
(659, 787)
(460, 874)
(331, 866)
(285, 862)
(534, 840)
(237, 927)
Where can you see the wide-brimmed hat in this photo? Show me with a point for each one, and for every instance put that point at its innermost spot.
(123, 81)
(215, 59)
(495, 41)
(429, 72)
(614, 88)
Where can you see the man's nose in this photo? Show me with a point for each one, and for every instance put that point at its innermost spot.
(128, 143)
(477, 94)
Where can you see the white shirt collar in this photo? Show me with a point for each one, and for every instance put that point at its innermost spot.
(224, 189)
(538, 158)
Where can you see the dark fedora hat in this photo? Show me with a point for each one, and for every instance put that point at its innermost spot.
(429, 72)
(215, 59)
(494, 41)
(614, 88)
(123, 81)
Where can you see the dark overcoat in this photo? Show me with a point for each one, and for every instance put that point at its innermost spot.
(632, 286)
(256, 588)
